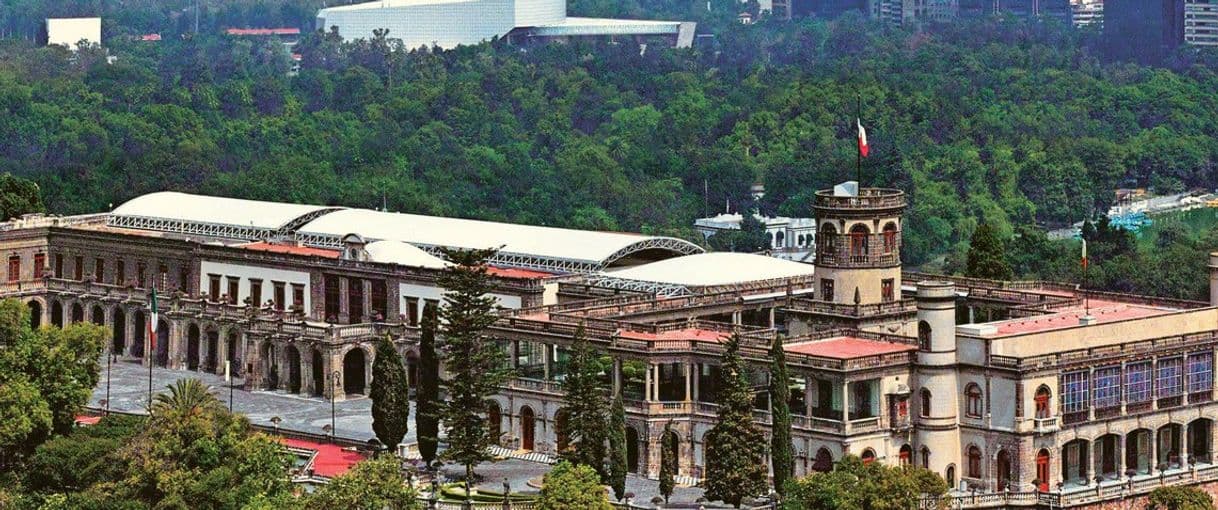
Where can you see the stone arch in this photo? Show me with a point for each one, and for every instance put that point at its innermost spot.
(140, 336)
(868, 456)
(561, 434)
(269, 364)
(924, 333)
(162, 342)
(1200, 441)
(494, 418)
(924, 405)
(319, 373)
(823, 462)
(98, 315)
(232, 347)
(859, 241)
(355, 365)
(78, 313)
(1002, 465)
(528, 425)
(1107, 456)
(119, 339)
(35, 313)
(1169, 444)
(192, 346)
(973, 456)
(211, 361)
(632, 450)
(1137, 451)
(974, 405)
(57, 313)
(1042, 399)
(905, 454)
(890, 237)
(949, 475)
(294, 377)
(780, 239)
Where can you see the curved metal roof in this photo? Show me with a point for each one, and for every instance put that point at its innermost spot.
(402, 254)
(567, 250)
(523, 246)
(683, 275)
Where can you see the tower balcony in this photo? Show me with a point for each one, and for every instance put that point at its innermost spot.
(859, 250)
(869, 202)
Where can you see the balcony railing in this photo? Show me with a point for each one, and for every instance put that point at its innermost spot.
(868, 198)
(1046, 425)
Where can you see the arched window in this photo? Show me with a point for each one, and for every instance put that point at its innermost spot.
(972, 400)
(974, 462)
(858, 243)
(1042, 402)
(823, 462)
(925, 457)
(868, 456)
(906, 455)
(950, 476)
(827, 240)
(890, 238)
(799, 240)
(924, 409)
(924, 335)
(780, 239)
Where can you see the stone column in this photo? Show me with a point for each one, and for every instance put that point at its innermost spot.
(344, 300)
(285, 368)
(515, 354)
(688, 383)
(808, 398)
(772, 325)
(737, 317)
(546, 353)
(177, 359)
(655, 379)
(647, 384)
(1121, 456)
(697, 369)
(617, 376)
(1184, 445)
(393, 300)
(1154, 451)
(222, 354)
(846, 406)
(367, 311)
(306, 373)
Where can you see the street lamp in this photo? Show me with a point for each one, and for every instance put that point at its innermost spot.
(276, 420)
(334, 394)
(329, 430)
(106, 402)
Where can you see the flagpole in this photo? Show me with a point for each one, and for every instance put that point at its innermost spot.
(858, 151)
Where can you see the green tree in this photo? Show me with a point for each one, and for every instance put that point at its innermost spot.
(572, 487)
(428, 405)
(852, 485)
(19, 196)
(782, 456)
(668, 462)
(374, 484)
(474, 362)
(617, 448)
(390, 395)
(1180, 498)
(26, 418)
(735, 449)
(585, 405)
(987, 256)
(186, 397)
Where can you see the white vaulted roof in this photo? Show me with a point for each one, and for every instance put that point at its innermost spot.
(684, 275)
(397, 252)
(522, 246)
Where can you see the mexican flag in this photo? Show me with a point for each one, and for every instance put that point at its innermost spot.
(863, 147)
(152, 322)
(1084, 254)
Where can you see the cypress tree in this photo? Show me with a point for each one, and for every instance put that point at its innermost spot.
(585, 405)
(668, 463)
(390, 395)
(782, 456)
(426, 416)
(987, 255)
(474, 361)
(735, 449)
(617, 448)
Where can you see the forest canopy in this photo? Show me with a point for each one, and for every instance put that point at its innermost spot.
(1003, 120)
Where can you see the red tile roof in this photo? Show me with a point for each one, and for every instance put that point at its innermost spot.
(331, 460)
(87, 420)
(847, 348)
(1102, 311)
(291, 249)
(689, 334)
(263, 31)
(510, 272)
(150, 37)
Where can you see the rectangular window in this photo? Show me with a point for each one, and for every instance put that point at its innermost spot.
(412, 311)
(1168, 381)
(99, 269)
(162, 277)
(1074, 392)
(120, 272)
(40, 260)
(234, 288)
(213, 287)
(298, 296)
(1200, 372)
(1107, 387)
(59, 266)
(141, 274)
(826, 289)
(78, 271)
(14, 268)
(256, 293)
(1137, 382)
(184, 279)
(887, 289)
(279, 296)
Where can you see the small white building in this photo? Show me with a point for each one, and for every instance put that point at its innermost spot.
(790, 238)
(71, 31)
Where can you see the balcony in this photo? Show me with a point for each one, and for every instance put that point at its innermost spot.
(868, 199)
(1046, 425)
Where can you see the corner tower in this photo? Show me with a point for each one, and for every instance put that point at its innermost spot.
(858, 244)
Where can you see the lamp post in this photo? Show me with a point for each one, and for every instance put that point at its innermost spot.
(329, 430)
(275, 420)
(107, 400)
(334, 394)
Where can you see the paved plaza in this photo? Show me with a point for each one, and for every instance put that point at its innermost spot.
(129, 393)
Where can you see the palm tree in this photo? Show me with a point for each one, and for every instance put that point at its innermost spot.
(186, 397)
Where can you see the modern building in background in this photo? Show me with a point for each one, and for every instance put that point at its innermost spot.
(69, 32)
(450, 23)
(1201, 22)
(1143, 30)
(1087, 12)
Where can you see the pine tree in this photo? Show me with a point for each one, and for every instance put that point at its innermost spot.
(617, 448)
(585, 405)
(474, 362)
(427, 406)
(735, 449)
(668, 462)
(390, 395)
(987, 256)
(782, 456)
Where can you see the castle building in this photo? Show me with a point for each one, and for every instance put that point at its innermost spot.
(1019, 393)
